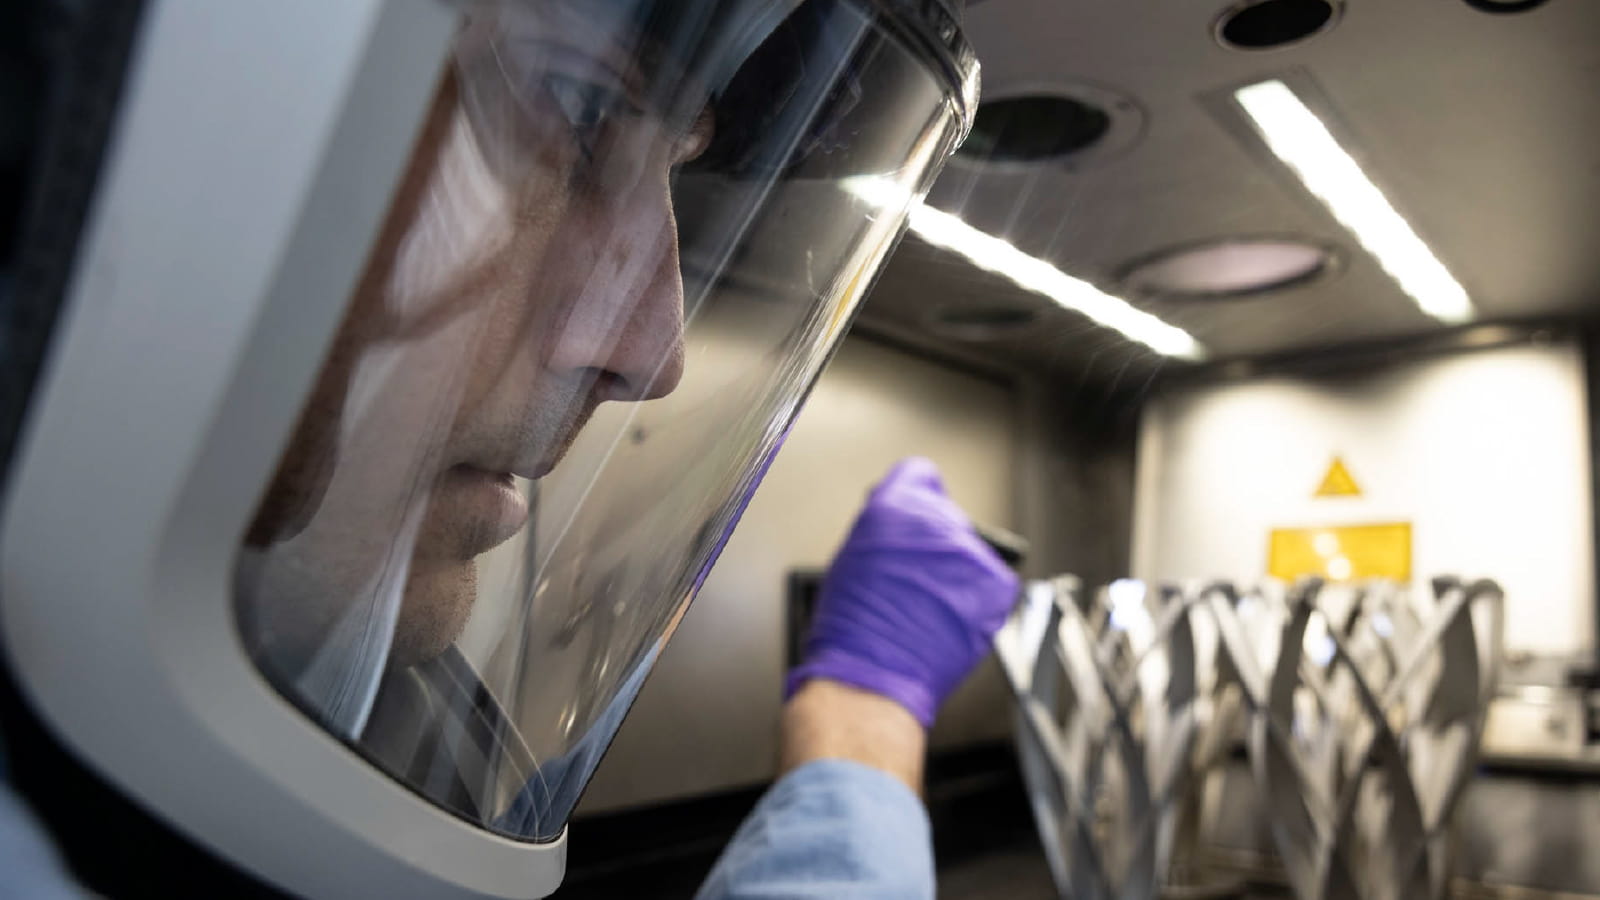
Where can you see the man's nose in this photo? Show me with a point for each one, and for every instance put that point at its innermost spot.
(626, 325)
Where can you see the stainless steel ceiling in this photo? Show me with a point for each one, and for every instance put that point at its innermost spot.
(1483, 130)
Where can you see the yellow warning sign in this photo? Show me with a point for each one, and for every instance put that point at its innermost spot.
(1338, 482)
(1342, 552)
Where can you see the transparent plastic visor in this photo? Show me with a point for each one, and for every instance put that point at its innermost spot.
(623, 249)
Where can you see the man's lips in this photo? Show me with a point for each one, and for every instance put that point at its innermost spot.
(506, 468)
(478, 504)
(473, 510)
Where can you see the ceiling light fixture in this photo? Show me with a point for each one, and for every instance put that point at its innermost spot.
(1303, 142)
(997, 255)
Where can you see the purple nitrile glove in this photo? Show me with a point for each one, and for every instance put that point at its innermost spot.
(912, 598)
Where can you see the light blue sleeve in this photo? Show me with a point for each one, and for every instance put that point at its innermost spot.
(29, 866)
(829, 829)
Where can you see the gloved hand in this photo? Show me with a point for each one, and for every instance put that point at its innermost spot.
(912, 599)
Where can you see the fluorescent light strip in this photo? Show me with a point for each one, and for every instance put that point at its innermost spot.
(997, 255)
(1303, 142)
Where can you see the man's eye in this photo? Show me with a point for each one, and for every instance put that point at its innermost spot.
(588, 107)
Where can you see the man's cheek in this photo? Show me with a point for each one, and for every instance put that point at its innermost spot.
(464, 219)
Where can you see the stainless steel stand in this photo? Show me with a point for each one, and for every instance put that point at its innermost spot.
(1106, 720)
(1365, 712)
(1363, 709)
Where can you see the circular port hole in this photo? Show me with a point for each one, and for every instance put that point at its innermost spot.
(1230, 267)
(1270, 24)
(980, 323)
(1505, 6)
(1034, 127)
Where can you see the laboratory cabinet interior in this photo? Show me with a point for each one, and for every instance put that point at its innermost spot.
(1248, 328)
(1258, 341)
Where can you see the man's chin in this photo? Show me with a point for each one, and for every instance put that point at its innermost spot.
(438, 601)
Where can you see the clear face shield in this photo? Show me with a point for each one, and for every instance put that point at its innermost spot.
(624, 246)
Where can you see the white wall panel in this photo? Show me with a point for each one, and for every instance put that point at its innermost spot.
(1484, 452)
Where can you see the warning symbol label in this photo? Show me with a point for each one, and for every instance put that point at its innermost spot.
(1338, 483)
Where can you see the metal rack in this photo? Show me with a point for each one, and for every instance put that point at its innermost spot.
(1362, 708)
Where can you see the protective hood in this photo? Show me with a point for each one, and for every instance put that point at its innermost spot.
(621, 252)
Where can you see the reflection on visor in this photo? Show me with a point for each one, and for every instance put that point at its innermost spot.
(527, 82)
(531, 435)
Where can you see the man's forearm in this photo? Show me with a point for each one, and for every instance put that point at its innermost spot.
(827, 719)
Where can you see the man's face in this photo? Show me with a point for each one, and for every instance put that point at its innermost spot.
(527, 271)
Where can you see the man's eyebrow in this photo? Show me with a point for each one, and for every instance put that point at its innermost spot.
(648, 55)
